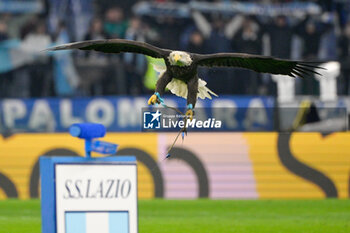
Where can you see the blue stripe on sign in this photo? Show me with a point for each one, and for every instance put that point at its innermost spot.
(119, 222)
(75, 222)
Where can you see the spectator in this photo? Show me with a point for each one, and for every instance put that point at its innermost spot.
(93, 66)
(344, 58)
(212, 35)
(115, 24)
(66, 79)
(28, 27)
(135, 64)
(103, 5)
(217, 35)
(4, 78)
(34, 41)
(170, 29)
(247, 40)
(280, 33)
(96, 30)
(3, 31)
(196, 43)
(311, 34)
(344, 43)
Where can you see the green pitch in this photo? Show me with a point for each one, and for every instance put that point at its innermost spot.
(168, 216)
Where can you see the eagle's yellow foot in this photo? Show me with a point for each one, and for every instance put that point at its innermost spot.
(153, 99)
(189, 114)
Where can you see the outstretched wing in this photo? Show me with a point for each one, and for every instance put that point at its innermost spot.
(115, 46)
(261, 64)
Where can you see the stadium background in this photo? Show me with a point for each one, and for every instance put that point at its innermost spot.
(42, 94)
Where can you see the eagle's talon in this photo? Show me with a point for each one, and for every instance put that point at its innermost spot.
(153, 99)
(189, 114)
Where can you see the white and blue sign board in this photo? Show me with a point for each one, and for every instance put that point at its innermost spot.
(89, 195)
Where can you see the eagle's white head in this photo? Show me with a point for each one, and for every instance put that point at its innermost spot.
(180, 58)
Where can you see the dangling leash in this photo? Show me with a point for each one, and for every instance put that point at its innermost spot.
(183, 131)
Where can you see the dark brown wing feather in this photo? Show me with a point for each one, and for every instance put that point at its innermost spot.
(261, 64)
(115, 46)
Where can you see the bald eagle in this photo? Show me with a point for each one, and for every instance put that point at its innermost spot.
(181, 67)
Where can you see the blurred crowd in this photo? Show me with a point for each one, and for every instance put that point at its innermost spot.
(317, 38)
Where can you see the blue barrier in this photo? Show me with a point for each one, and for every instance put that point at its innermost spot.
(119, 114)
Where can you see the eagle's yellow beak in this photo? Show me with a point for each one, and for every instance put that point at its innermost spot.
(176, 57)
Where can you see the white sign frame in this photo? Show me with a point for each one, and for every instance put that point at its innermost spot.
(109, 183)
